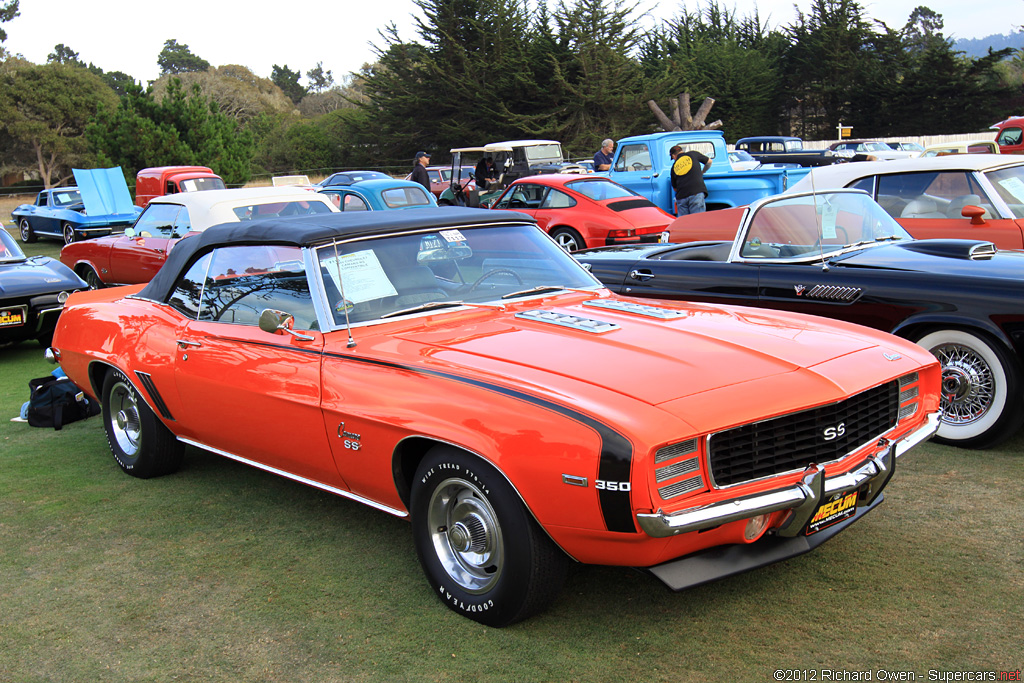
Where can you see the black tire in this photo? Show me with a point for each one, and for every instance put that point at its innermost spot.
(568, 239)
(483, 553)
(981, 389)
(91, 278)
(141, 444)
(28, 235)
(443, 202)
(68, 231)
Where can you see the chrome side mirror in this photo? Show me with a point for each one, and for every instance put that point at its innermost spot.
(274, 321)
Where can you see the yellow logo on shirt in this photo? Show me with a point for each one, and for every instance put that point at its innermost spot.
(682, 165)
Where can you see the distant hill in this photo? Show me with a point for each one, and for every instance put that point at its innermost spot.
(978, 47)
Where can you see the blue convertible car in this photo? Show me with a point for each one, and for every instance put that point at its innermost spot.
(98, 205)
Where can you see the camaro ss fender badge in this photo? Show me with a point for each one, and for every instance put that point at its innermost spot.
(352, 440)
(604, 485)
(832, 433)
(891, 355)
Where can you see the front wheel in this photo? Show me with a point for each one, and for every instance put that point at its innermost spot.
(141, 444)
(981, 389)
(69, 233)
(28, 235)
(568, 239)
(483, 553)
(92, 278)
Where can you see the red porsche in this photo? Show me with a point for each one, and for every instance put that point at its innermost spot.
(585, 211)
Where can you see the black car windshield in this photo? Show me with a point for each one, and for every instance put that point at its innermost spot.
(10, 252)
(815, 225)
(371, 278)
(1009, 183)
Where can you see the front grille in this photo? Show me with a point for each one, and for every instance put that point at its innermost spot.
(793, 442)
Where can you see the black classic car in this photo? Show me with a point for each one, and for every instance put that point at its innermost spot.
(838, 254)
(32, 293)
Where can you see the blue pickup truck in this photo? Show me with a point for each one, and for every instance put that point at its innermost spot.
(642, 164)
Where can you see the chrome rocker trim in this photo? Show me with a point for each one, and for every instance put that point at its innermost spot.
(802, 499)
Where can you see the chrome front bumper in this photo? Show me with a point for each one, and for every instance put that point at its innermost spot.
(802, 498)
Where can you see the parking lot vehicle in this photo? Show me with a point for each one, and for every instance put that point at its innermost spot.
(378, 195)
(32, 293)
(457, 368)
(585, 211)
(969, 147)
(869, 150)
(785, 149)
(838, 254)
(642, 163)
(1010, 135)
(967, 196)
(164, 180)
(98, 205)
(513, 159)
(349, 177)
(137, 254)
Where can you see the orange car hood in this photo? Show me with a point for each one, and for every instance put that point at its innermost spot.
(652, 360)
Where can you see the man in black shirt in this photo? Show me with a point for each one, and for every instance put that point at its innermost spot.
(688, 169)
(419, 170)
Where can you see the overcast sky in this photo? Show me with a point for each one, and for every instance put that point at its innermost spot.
(127, 35)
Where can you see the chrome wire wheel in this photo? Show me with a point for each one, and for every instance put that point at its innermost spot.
(466, 535)
(26, 230)
(968, 383)
(69, 233)
(125, 425)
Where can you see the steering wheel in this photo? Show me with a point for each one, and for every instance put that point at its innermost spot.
(494, 271)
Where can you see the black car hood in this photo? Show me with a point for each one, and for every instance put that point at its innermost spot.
(951, 257)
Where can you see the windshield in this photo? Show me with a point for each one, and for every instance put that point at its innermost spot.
(536, 153)
(197, 184)
(815, 225)
(600, 189)
(66, 197)
(9, 249)
(794, 145)
(1009, 183)
(372, 279)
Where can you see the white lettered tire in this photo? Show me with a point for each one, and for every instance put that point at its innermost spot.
(141, 444)
(981, 388)
(483, 553)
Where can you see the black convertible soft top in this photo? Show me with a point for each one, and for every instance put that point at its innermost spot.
(311, 230)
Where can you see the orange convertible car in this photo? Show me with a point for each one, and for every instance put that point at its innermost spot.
(456, 367)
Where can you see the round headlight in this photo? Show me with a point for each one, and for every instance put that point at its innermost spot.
(63, 296)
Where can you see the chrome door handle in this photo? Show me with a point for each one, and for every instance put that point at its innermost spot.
(640, 275)
(184, 344)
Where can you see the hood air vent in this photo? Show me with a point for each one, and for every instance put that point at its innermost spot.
(573, 321)
(639, 309)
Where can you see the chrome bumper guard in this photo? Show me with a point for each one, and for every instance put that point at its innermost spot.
(802, 499)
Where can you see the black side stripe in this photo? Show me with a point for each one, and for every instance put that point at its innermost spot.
(158, 400)
(616, 450)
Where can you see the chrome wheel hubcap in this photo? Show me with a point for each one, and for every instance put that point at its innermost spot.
(466, 535)
(126, 428)
(968, 385)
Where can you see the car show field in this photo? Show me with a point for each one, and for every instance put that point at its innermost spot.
(301, 586)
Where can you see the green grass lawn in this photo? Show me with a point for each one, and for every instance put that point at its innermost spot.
(225, 573)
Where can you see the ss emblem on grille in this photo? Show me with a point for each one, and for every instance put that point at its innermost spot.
(831, 433)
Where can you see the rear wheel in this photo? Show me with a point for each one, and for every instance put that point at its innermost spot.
(28, 235)
(92, 278)
(141, 444)
(483, 553)
(568, 239)
(69, 233)
(981, 389)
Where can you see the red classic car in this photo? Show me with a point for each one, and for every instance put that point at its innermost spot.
(585, 211)
(136, 255)
(456, 367)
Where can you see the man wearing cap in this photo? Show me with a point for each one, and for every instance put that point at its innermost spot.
(419, 170)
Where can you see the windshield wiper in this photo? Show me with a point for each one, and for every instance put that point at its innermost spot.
(545, 288)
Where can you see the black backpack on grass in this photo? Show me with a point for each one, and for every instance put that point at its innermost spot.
(54, 402)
